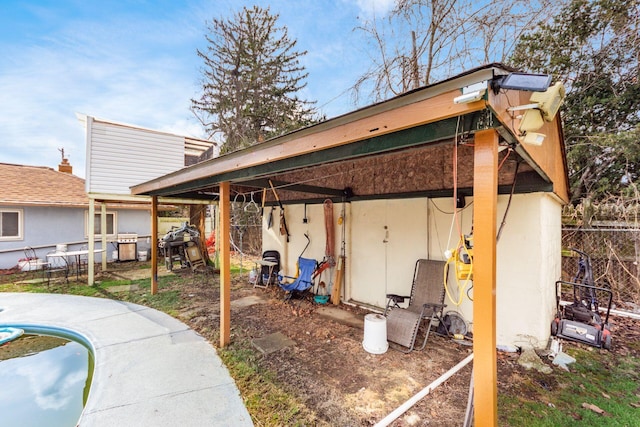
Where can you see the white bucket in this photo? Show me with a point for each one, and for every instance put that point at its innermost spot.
(29, 265)
(61, 248)
(114, 255)
(375, 334)
(253, 277)
(142, 255)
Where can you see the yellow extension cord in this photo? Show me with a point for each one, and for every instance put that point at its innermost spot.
(460, 285)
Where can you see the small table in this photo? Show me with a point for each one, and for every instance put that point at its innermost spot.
(77, 254)
(259, 280)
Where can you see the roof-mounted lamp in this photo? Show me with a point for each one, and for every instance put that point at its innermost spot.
(472, 93)
(522, 81)
(542, 107)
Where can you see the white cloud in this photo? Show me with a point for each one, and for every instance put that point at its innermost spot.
(126, 71)
(369, 8)
(138, 65)
(52, 386)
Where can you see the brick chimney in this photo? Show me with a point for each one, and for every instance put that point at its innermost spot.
(65, 167)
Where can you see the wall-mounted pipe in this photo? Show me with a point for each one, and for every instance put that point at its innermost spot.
(425, 391)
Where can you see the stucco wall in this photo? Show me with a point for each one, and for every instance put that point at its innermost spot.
(384, 238)
(529, 263)
(45, 227)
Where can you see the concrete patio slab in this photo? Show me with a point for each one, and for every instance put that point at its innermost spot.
(342, 316)
(247, 301)
(272, 342)
(150, 369)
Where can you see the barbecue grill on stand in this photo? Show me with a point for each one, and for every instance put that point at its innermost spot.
(174, 243)
(127, 246)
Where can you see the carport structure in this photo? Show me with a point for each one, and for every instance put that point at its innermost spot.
(399, 149)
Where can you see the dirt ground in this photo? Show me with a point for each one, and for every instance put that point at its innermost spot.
(327, 366)
(328, 369)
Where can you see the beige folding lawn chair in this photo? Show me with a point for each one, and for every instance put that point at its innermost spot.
(194, 258)
(426, 302)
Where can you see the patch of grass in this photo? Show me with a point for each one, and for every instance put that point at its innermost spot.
(168, 301)
(266, 400)
(23, 287)
(112, 283)
(235, 269)
(596, 378)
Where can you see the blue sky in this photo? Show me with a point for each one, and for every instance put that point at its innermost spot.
(134, 61)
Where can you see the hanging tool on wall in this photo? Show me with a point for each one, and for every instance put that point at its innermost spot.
(330, 233)
(336, 289)
(283, 222)
(270, 219)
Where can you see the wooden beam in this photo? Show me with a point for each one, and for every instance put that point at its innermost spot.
(302, 188)
(485, 198)
(145, 200)
(91, 221)
(154, 245)
(225, 266)
(406, 138)
(103, 237)
(374, 127)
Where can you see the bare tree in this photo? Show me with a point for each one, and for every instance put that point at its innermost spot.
(423, 41)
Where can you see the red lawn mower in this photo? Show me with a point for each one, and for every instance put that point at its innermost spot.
(580, 320)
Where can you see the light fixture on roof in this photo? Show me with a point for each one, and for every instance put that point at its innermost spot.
(472, 93)
(522, 81)
(542, 107)
(533, 138)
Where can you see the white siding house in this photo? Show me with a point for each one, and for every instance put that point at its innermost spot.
(120, 156)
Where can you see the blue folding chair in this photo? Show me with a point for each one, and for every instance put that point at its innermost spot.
(303, 282)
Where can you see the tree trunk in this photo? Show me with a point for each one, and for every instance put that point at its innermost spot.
(197, 214)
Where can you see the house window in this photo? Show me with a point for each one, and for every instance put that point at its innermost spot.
(10, 224)
(97, 231)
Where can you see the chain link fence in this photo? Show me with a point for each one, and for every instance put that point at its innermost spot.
(246, 228)
(615, 259)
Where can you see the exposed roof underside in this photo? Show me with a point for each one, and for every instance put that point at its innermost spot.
(403, 147)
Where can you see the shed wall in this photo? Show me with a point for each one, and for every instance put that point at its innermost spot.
(381, 260)
(529, 263)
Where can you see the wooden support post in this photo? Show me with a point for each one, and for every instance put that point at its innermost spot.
(103, 237)
(225, 266)
(154, 245)
(485, 198)
(91, 222)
